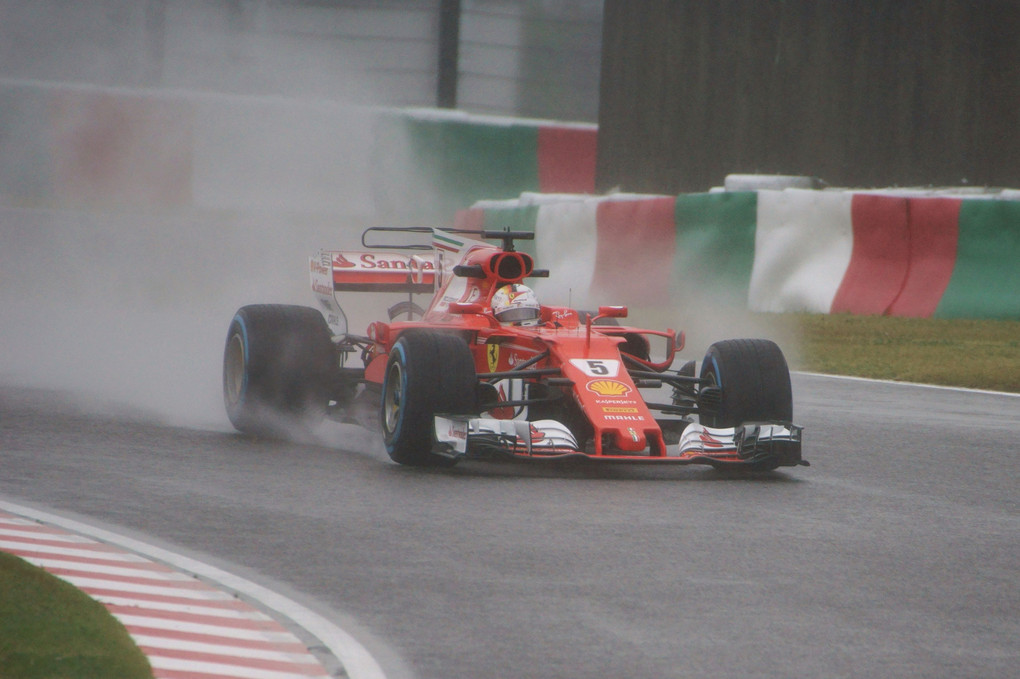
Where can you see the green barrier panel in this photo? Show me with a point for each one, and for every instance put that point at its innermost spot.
(715, 245)
(433, 167)
(986, 278)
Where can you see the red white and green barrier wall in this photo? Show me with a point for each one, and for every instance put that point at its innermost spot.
(827, 251)
(75, 147)
(791, 250)
(436, 162)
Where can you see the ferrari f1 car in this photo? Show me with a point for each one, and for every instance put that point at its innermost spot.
(483, 369)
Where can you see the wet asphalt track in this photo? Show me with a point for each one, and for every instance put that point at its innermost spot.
(896, 554)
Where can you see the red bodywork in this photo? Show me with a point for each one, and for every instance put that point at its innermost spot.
(586, 354)
(560, 385)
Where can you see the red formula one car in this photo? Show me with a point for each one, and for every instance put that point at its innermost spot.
(484, 369)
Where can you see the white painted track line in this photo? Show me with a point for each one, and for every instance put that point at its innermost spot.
(873, 380)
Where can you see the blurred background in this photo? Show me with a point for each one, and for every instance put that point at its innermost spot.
(163, 162)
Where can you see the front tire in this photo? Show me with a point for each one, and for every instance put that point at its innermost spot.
(279, 367)
(427, 373)
(744, 380)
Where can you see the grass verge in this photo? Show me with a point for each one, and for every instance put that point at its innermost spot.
(50, 629)
(979, 354)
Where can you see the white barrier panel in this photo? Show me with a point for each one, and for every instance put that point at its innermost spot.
(803, 245)
(566, 238)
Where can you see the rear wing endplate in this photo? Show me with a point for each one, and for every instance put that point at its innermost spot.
(334, 271)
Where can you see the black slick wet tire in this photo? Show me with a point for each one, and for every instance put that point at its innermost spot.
(279, 366)
(745, 380)
(428, 373)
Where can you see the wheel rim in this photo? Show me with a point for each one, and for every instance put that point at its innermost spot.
(233, 370)
(393, 397)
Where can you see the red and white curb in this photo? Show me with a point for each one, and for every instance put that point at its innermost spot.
(190, 624)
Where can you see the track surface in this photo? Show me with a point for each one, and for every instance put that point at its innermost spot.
(896, 554)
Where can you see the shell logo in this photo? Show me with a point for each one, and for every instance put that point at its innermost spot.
(608, 388)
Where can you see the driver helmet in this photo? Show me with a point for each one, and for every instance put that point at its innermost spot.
(515, 303)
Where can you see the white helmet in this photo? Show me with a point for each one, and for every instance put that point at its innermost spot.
(515, 303)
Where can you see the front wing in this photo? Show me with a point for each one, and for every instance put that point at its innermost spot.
(754, 445)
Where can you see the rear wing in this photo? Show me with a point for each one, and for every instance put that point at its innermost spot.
(375, 271)
(379, 269)
(428, 268)
(334, 271)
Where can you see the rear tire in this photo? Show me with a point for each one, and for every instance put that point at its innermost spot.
(744, 380)
(279, 367)
(427, 373)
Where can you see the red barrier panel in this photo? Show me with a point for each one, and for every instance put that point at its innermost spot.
(566, 159)
(880, 258)
(469, 218)
(934, 227)
(122, 150)
(636, 246)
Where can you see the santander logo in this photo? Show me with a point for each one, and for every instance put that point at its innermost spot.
(365, 261)
(341, 262)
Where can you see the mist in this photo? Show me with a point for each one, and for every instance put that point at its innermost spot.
(130, 310)
(134, 220)
(159, 168)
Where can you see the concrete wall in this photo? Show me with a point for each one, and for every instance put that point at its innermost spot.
(536, 59)
(861, 93)
(273, 106)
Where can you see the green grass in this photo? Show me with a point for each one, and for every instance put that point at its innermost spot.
(981, 354)
(49, 629)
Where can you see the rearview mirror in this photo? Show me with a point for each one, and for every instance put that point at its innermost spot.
(613, 311)
(466, 308)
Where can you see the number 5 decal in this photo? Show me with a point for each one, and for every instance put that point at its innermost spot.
(602, 367)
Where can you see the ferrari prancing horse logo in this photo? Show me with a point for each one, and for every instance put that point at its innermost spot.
(492, 354)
